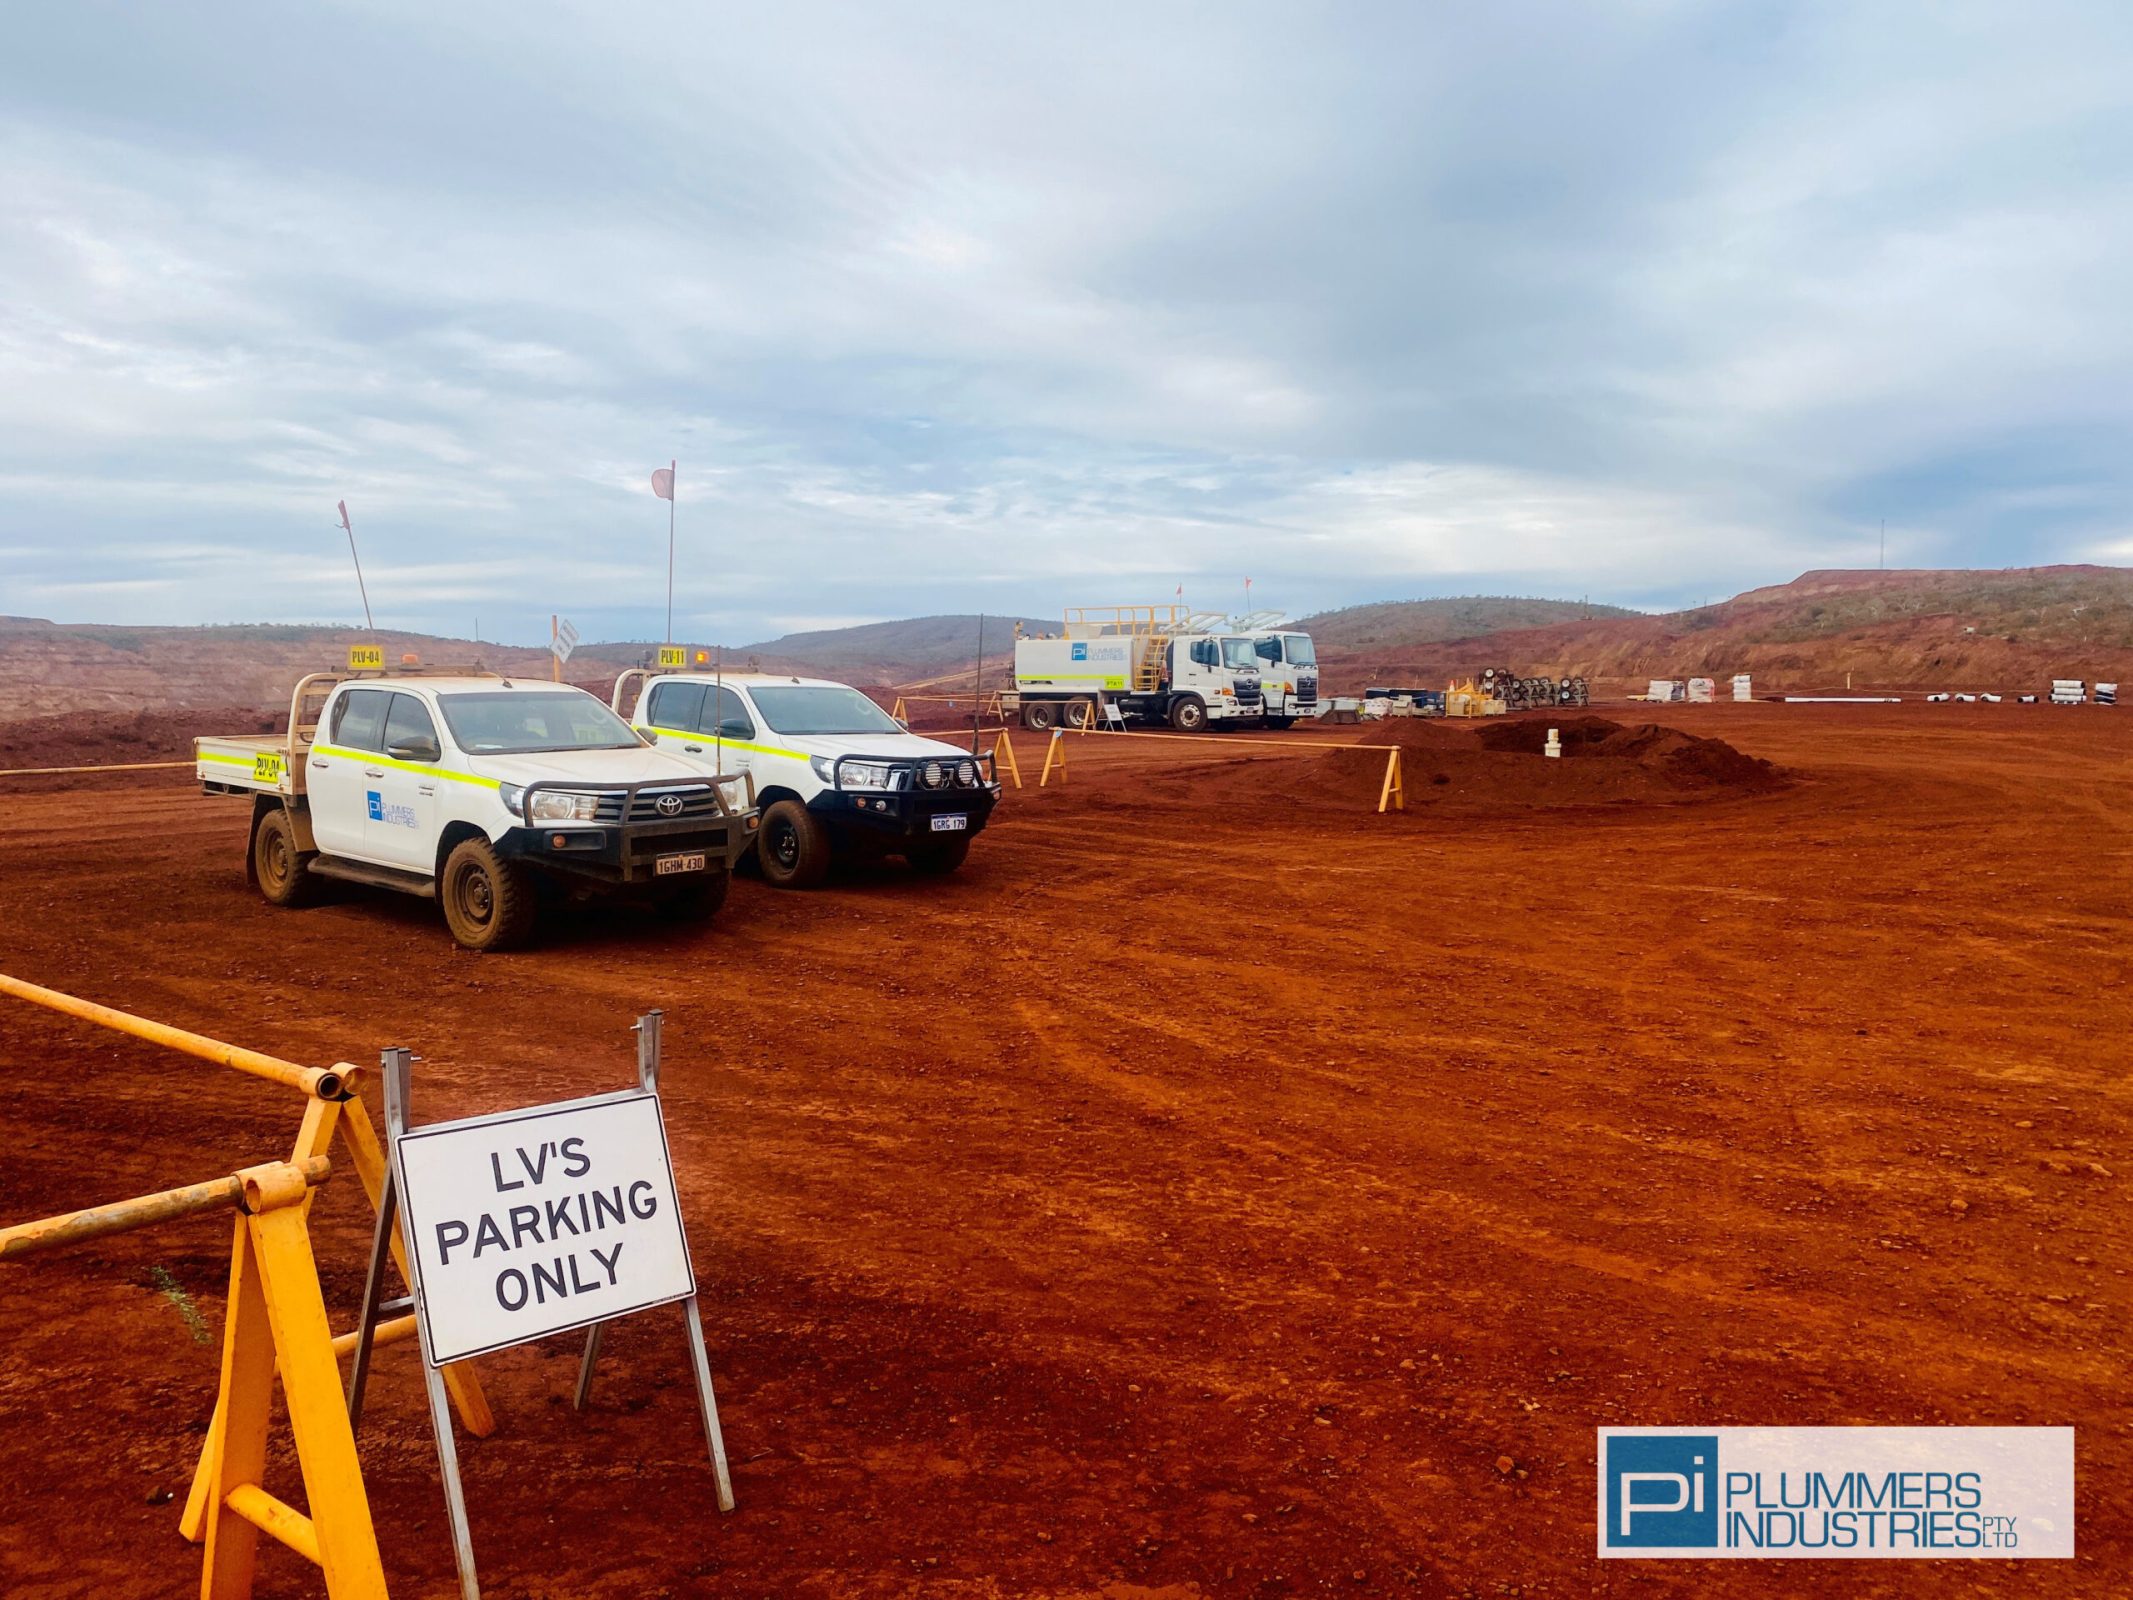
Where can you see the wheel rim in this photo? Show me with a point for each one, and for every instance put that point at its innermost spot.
(274, 858)
(477, 896)
(785, 844)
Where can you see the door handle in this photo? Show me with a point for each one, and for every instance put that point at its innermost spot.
(318, 765)
(694, 749)
(373, 772)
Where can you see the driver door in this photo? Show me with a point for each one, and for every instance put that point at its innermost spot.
(400, 826)
(730, 728)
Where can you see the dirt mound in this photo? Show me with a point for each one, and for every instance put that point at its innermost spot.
(95, 738)
(1687, 759)
(1499, 765)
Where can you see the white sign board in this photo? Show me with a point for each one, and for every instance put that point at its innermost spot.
(538, 1221)
(565, 641)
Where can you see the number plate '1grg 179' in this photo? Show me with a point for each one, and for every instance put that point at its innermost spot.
(951, 824)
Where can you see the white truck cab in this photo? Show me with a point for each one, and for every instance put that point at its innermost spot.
(1288, 675)
(465, 789)
(832, 771)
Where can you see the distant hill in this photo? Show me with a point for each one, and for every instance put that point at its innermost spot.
(2013, 629)
(1463, 616)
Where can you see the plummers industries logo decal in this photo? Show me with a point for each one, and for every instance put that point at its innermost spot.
(393, 816)
(1080, 652)
(1836, 1493)
(1662, 1491)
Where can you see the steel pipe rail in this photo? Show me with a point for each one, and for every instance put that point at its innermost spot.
(337, 1082)
(254, 1189)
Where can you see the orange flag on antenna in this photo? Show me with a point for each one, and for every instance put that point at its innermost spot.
(663, 482)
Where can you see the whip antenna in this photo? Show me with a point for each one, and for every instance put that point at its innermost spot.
(358, 560)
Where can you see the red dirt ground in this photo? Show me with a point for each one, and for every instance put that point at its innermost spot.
(1216, 1189)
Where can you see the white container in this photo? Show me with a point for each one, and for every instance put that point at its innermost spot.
(1741, 687)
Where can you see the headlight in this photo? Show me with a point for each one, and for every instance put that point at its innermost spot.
(853, 774)
(555, 807)
(513, 796)
(967, 774)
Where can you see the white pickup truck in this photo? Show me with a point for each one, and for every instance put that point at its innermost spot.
(833, 772)
(467, 788)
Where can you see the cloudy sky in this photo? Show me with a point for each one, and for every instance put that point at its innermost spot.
(942, 308)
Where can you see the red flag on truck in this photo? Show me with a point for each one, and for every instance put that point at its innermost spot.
(663, 482)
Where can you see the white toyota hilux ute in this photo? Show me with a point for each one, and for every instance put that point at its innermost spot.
(476, 791)
(834, 773)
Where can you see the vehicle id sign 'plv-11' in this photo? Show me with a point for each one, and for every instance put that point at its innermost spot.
(537, 1221)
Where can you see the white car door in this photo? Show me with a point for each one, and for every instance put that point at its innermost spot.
(335, 776)
(400, 806)
(674, 712)
(731, 727)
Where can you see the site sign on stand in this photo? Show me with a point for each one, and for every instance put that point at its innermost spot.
(530, 1222)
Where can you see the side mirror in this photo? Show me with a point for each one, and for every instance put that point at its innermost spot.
(414, 750)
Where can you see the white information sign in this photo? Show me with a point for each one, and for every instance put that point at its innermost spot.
(566, 639)
(537, 1221)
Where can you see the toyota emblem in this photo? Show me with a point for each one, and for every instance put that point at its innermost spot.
(669, 805)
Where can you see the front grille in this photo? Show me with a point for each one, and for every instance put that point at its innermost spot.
(1248, 694)
(1307, 691)
(697, 800)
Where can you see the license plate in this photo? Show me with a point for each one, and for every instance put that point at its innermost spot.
(693, 862)
(952, 824)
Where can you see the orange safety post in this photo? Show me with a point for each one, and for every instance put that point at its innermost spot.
(333, 1107)
(276, 1321)
(1003, 758)
(1054, 751)
(1394, 793)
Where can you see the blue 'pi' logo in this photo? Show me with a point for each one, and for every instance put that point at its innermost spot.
(1080, 652)
(377, 805)
(1661, 1491)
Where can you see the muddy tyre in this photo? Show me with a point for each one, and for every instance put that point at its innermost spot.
(489, 900)
(1281, 724)
(938, 857)
(698, 900)
(792, 846)
(1040, 716)
(281, 868)
(1189, 716)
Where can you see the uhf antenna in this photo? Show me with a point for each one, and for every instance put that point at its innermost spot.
(358, 560)
(977, 688)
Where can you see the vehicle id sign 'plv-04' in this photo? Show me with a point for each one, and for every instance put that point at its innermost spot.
(537, 1221)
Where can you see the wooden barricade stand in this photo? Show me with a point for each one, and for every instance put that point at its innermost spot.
(276, 1320)
(334, 1107)
(1394, 793)
(1054, 753)
(1003, 759)
(898, 712)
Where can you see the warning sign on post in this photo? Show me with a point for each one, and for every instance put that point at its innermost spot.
(538, 1221)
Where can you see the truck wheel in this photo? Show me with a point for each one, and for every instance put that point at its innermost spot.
(1281, 722)
(1040, 716)
(283, 870)
(792, 846)
(697, 900)
(939, 856)
(1189, 716)
(1081, 713)
(489, 901)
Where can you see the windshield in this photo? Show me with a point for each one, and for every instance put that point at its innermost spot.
(518, 722)
(825, 708)
(1238, 654)
(1300, 652)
